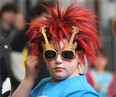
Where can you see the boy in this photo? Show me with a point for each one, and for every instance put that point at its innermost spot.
(61, 40)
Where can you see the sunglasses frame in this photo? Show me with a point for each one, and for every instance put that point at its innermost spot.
(69, 47)
(65, 49)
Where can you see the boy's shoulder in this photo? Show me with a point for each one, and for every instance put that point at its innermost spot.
(39, 85)
(80, 83)
(44, 81)
(77, 85)
(80, 87)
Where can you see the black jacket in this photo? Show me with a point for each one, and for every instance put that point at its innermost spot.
(4, 49)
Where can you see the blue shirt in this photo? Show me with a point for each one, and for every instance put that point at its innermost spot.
(73, 87)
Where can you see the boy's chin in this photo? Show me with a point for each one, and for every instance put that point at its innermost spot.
(60, 78)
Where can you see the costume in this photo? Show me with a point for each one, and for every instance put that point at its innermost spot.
(103, 83)
(60, 24)
(77, 25)
(73, 87)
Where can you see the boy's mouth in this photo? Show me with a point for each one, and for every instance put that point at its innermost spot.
(58, 69)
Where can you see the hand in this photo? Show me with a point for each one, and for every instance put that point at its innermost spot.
(32, 66)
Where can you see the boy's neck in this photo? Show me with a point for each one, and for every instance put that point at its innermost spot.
(76, 73)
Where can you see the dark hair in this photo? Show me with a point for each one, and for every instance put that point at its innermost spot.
(9, 7)
(38, 9)
(102, 52)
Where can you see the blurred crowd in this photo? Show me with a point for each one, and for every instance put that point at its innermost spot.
(13, 26)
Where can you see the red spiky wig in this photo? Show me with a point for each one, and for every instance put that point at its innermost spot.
(59, 25)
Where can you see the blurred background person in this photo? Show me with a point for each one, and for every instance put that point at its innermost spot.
(7, 16)
(17, 41)
(19, 38)
(100, 78)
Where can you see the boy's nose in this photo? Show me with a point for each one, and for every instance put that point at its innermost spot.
(58, 59)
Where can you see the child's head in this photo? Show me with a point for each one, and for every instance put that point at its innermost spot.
(7, 13)
(101, 60)
(63, 39)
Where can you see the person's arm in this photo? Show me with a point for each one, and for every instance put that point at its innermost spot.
(32, 67)
(24, 89)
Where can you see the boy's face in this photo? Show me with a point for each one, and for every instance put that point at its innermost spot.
(60, 68)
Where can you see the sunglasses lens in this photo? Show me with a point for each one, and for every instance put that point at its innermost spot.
(67, 54)
(49, 54)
